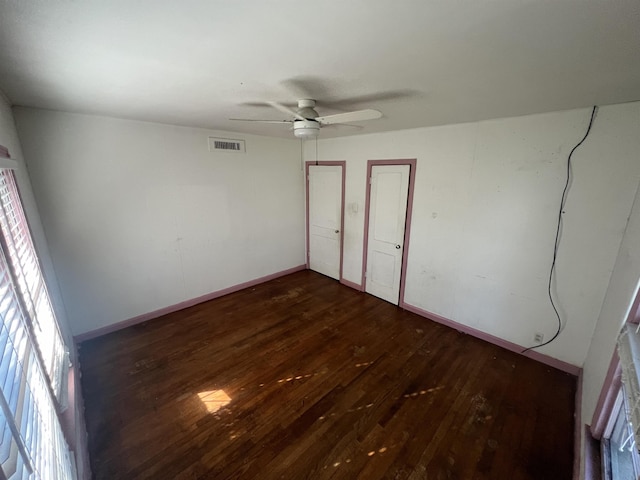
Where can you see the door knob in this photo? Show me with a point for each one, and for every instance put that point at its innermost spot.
(337, 231)
(398, 247)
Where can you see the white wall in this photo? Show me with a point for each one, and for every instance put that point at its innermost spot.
(123, 204)
(140, 216)
(484, 218)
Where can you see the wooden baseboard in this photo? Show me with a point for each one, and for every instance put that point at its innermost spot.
(182, 305)
(540, 357)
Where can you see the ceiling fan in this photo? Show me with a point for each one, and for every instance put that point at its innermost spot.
(307, 122)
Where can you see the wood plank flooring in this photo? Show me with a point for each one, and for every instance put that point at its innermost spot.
(304, 378)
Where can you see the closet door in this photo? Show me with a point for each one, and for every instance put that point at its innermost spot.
(324, 186)
(387, 220)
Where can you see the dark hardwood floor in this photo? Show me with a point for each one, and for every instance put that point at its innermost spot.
(302, 377)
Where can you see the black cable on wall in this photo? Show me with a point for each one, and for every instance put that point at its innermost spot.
(552, 270)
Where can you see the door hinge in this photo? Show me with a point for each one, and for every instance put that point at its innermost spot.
(370, 180)
(366, 274)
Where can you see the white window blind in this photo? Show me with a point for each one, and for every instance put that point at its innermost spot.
(26, 271)
(32, 444)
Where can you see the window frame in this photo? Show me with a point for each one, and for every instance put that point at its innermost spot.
(605, 413)
(619, 405)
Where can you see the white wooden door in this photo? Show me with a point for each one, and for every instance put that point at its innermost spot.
(387, 218)
(325, 219)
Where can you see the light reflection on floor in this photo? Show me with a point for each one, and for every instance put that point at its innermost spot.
(214, 400)
(371, 453)
(369, 405)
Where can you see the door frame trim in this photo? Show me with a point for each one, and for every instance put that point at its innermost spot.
(327, 163)
(412, 162)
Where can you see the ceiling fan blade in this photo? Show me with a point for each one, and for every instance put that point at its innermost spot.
(308, 87)
(260, 121)
(343, 125)
(286, 110)
(324, 88)
(357, 116)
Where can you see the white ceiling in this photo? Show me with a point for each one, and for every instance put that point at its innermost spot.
(421, 62)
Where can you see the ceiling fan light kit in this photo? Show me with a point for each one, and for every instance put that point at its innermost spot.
(306, 129)
(306, 121)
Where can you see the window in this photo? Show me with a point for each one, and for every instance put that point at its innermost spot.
(612, 443)
(34, 358)
(620, 459)
(18, 247)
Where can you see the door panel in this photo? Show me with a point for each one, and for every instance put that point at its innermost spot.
(387, 219)
(325, 219)
(387, 195)
(383, 269)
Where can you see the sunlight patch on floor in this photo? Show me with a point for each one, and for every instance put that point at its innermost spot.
(423, 392)
(214, 400)
(371, 453)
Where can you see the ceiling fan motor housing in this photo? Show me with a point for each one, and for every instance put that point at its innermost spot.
(306, 129)
(306, 108)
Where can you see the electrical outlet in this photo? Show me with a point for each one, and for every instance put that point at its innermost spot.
(538, 337)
